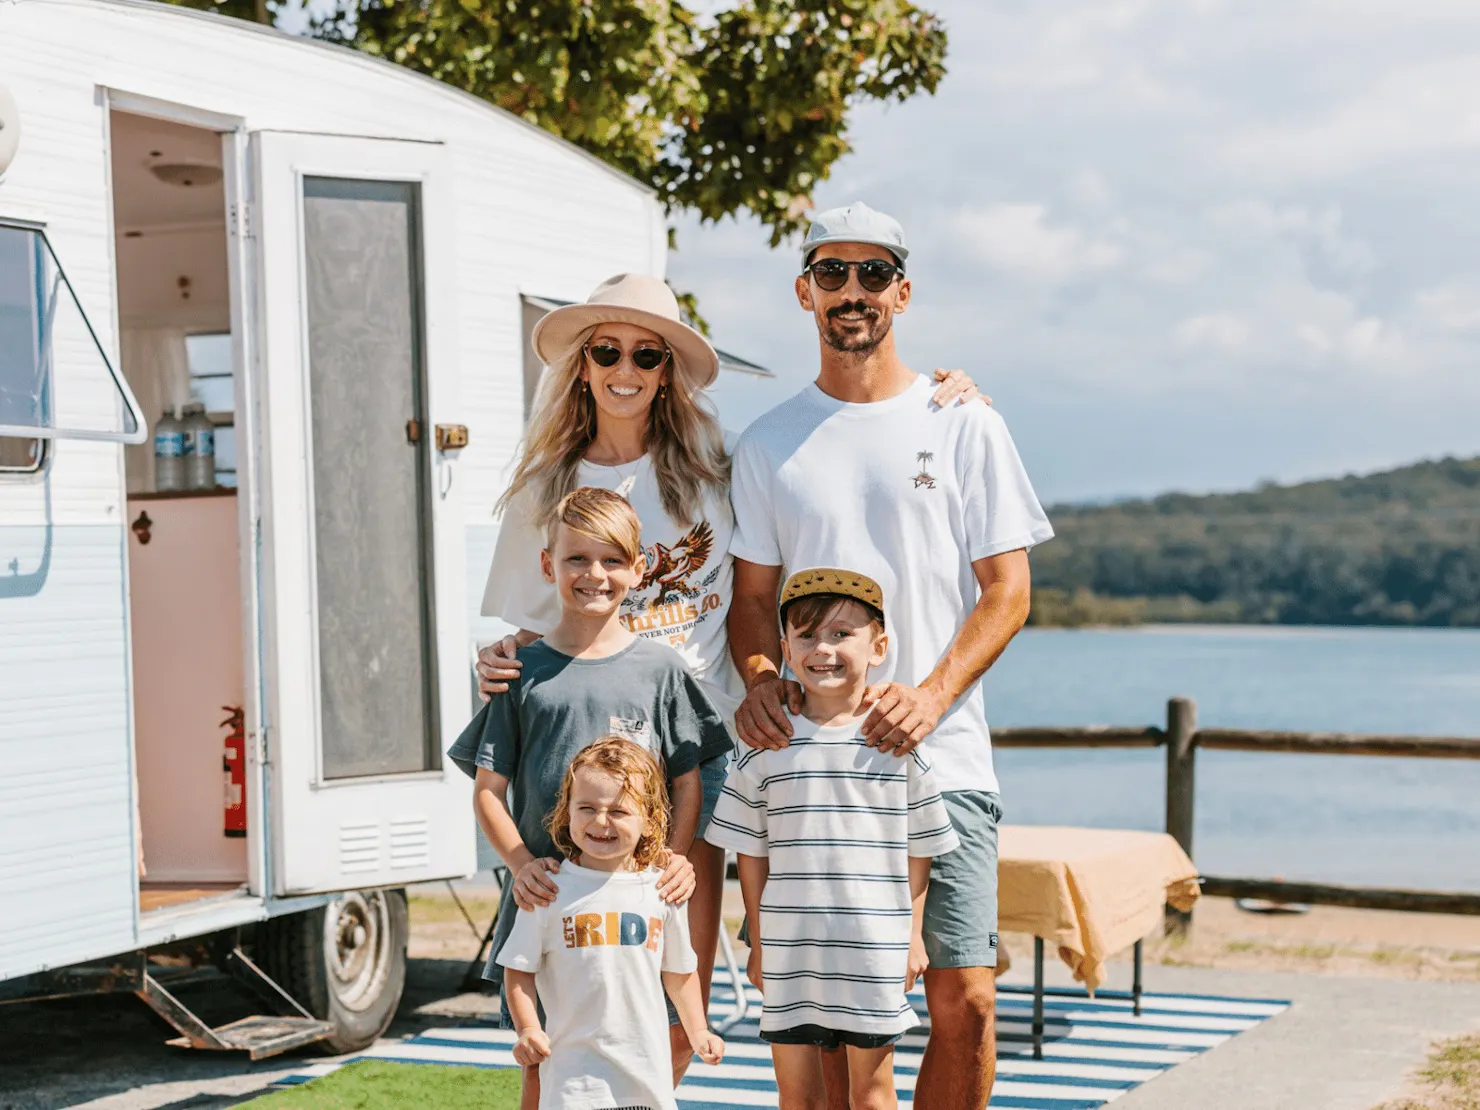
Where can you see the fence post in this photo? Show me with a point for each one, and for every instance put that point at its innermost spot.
(1181, 726)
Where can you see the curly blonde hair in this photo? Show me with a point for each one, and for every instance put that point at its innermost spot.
(683, 437)
(642, 782)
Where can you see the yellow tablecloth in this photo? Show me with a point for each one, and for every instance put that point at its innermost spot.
(1090, 892)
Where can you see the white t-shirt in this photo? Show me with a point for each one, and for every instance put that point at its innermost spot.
(682, 601)
(838, 821)
(909, 495)
(597, 954)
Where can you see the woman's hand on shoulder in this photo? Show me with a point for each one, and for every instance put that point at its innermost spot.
(956, 386)
(497, 667)
(533, 887)
(676, 883)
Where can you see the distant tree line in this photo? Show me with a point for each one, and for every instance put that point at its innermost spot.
(1396, 548)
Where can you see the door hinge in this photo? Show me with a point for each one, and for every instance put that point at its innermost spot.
(242, 223)
(259, 747)
(413, 430)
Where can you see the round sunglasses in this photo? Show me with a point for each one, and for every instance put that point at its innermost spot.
(644, 358)
(875, 275)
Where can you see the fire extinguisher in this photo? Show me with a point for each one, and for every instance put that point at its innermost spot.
(234, 771)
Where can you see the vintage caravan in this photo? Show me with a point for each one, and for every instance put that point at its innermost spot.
(224, 693)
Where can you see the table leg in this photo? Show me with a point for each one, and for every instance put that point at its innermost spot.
(1136, 982)
(1038, 998)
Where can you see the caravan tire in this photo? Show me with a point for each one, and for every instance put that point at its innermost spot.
(344, 962)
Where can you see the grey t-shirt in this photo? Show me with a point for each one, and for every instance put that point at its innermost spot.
(558, 706)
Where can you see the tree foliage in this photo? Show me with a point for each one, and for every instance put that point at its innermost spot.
(744, 110)
(1396, 548)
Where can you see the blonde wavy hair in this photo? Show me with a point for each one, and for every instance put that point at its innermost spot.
(642, 783)
(683, 437)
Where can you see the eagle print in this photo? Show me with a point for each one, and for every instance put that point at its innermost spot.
(669, 568)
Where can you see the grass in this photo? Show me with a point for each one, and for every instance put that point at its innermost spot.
(378, 1085)
(1449, 1081)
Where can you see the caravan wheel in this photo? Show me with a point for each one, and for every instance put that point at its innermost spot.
(344, 962)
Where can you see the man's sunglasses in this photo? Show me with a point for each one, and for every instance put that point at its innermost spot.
(644, 358)
(875, 275)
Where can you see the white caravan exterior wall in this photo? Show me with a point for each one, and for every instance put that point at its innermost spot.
(535, 216)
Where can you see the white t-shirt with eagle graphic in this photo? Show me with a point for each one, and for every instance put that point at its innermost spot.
(683, 598)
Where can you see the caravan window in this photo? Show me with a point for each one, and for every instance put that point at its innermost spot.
(44, 333)
(24, 398)
(213, 384)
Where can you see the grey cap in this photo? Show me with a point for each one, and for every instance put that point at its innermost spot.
(856, 223)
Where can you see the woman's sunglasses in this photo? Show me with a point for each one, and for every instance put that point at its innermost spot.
(875, 275)
(644, 358)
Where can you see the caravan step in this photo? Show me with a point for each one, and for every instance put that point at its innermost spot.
(262, 1036)
(259, 1035)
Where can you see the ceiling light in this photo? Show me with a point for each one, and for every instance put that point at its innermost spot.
(186, 174)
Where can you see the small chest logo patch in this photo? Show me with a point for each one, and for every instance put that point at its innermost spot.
(923, 479)
(629, 728)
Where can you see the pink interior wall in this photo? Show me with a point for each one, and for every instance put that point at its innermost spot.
(185, 612)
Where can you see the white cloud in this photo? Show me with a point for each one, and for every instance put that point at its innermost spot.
(1452, 307)
(1218, 331)
(1020, 240)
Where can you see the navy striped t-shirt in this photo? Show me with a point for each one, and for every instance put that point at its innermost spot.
(838, 821)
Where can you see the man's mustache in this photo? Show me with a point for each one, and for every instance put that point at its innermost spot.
(851, 306)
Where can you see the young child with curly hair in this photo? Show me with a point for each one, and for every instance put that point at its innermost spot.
(601, 955)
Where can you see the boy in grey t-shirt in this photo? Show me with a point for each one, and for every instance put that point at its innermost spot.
(558, 706)
(588, 678)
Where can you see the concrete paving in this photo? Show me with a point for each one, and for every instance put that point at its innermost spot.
(1344, 1044)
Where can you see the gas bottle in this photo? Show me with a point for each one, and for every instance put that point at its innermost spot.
(200, 447)
(169, 452)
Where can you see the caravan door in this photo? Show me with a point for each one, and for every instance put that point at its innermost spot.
(362, 521)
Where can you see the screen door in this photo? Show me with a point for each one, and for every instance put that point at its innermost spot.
(366, 542)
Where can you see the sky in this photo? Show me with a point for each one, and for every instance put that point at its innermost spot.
(1190, 244)
(1183, 244)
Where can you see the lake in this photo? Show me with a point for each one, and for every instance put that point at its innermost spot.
(1345, 819)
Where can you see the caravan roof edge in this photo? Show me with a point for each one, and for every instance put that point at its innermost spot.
(153, 7)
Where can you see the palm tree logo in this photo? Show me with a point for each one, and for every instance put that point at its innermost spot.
(924, 478)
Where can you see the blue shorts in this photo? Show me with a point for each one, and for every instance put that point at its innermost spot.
(712, 774)
(960, 926)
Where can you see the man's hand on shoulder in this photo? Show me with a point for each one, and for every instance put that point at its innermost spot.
(901, 716)
(761, 719)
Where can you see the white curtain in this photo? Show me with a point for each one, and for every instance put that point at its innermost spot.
(158, 370)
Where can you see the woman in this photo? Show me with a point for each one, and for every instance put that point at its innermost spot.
(619, 407)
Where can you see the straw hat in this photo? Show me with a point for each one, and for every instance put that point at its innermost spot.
(832, 580)
(631, 299)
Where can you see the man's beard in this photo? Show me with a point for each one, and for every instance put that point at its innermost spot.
(852, 341)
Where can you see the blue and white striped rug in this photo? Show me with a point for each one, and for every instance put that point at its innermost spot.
(1094, 1051)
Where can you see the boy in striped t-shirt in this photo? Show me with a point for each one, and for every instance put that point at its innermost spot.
(835, 841)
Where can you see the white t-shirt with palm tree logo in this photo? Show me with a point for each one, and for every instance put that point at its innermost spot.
(909, 495)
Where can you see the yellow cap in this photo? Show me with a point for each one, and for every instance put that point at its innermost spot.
(832, 580)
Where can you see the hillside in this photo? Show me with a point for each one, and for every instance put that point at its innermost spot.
(1397, 548)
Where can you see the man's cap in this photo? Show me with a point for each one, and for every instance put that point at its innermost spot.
(856, 223)
(832, 580)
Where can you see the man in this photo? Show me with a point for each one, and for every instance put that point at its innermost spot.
(859, 470)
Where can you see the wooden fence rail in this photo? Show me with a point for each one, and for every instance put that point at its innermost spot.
(1182, 738)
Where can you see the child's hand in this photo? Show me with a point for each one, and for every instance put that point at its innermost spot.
(753, 964)
(676, 884)
(710, 1047)
(532, 885)
(532, 1048)
(919, 962)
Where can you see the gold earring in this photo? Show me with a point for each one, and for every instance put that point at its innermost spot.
(662, 391)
